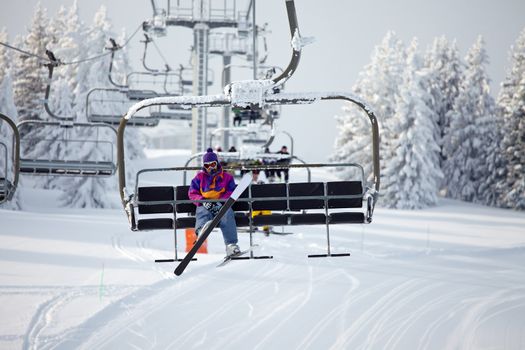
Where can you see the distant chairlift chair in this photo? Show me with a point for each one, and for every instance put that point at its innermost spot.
(108, 105)
(67, 138)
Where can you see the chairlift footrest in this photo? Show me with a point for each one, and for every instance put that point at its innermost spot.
(171, 260)
(249, 257)
(327, 255)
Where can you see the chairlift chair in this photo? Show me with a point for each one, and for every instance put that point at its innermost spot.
(175, 114)
(158, 83)
(361, 194)
(143, 85)
(186, 76)
(265, 133)
(68, 137)
(71, 139)
(9, 181)
(99, 101)
(132, 94)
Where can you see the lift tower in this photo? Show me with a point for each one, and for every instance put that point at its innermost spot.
(202, 16)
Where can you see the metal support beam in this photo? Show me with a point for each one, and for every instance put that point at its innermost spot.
(226, 117)
(200, 85)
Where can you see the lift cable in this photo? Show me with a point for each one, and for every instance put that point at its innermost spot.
(72, 62)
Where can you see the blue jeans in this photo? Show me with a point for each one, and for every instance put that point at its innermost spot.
(227, 223)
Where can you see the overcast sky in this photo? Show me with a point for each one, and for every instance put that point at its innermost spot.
(346, 32)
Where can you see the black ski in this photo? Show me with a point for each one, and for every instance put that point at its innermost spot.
(237, 256)
(229, 258)
(210, 225)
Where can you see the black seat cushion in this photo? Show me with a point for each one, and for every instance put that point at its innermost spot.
(242, 220)
(303, 190)
(345, 188)
(307, 219)
(155, 224)
(154, 194)
(240, 205)
(347, 218)
(181, 194)
(185, 222)
(269, 190)
(273, 219)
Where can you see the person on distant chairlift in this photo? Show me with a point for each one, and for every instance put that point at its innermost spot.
(222, 162)
(237, 118)
(270, 173)
(213, 183)
(256, 180)
(254, 115)
(283, 162)
(233, 163)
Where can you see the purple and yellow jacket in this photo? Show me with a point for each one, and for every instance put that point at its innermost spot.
(204, 186)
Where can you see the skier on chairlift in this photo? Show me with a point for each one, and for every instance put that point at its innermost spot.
(212, 182)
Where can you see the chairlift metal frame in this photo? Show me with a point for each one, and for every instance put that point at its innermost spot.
(7, 186)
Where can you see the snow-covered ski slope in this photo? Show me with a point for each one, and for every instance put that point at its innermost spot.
(449, 277)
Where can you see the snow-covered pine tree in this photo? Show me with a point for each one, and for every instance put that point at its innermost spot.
(89, 192)
(444, 64)
(8, 108)
(354, 142)
(412, 174)
(99, 192)
(470, 141)
(4, 56)
(66, 41)
(29, 83)
(511, 102)
(378, 85)
(29, 77)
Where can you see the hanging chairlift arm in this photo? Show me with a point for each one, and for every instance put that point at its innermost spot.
(16, 156)
(114, 48)
(146, 41)
(50, 67)
(296, 52)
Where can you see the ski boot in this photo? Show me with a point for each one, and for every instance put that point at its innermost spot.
(232, 249)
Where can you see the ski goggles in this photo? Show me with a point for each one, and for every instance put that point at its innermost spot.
(210, 165)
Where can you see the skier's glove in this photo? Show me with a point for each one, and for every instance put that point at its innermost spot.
(208, 205)
(215, 209)
(212, 207)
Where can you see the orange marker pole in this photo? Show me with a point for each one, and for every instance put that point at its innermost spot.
(191, 237)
